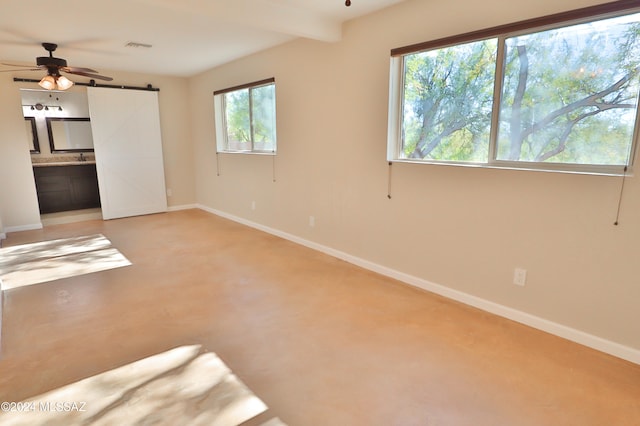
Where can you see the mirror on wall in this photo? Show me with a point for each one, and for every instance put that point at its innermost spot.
(32, 135)
(69, 134)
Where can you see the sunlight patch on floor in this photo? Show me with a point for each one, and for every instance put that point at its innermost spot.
(44, 261)
(185, 385)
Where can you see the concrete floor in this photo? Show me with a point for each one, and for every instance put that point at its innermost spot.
(319, 341)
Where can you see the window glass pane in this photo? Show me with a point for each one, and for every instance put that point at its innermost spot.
(237, 119)
(448, 96)
(264, 117)
(570, 94)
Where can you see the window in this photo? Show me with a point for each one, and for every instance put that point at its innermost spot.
(246, 118)
(545, 94)
(448, 96)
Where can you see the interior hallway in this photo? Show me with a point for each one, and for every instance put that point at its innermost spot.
(320, 341)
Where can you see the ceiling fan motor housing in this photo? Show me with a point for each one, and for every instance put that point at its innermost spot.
(52, 64)
(50, 61)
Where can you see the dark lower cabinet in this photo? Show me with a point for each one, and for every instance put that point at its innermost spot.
(63, 188)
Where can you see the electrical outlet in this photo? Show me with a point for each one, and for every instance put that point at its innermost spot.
(312, 221)
(169, 192)
(253, 205)
(520, 276)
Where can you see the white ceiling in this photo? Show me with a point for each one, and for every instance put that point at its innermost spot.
(188, 36)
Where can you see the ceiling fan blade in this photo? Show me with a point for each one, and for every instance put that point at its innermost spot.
(77, 69)
(23, 69)
(16, 65)
(90, 75)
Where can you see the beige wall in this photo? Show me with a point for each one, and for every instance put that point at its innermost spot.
(463, 228)
(18, 201)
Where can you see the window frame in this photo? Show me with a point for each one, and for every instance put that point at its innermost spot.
(222, 137)
(501, 33)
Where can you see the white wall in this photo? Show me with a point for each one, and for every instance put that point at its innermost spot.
(462, 228)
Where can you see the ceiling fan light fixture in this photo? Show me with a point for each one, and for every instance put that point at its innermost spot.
(48, 82)
(64, 83)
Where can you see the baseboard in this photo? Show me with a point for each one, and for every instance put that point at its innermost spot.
(560, 330)
(182, 207)
(29, 227)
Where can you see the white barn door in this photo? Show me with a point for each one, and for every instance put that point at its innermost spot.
(128, 148)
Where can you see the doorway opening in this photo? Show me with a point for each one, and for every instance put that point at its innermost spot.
(62, 155)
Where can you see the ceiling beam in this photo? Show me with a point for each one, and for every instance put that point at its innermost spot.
(266, 15)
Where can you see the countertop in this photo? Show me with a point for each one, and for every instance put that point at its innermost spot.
(63, 163)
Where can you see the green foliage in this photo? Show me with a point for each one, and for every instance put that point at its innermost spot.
(237, 115)
(264, 120)
(579, 98)
(250, 118)
(569, 95)
(447, 103)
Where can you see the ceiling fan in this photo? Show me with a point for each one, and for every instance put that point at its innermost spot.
(53, 79)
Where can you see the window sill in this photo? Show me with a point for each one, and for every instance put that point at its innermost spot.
(269, 153)
(549, 168)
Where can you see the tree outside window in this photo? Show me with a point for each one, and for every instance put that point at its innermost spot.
(566, 95)
(246, 118)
